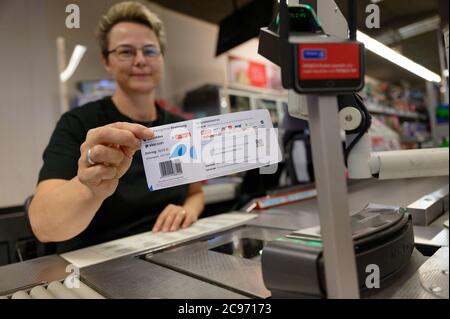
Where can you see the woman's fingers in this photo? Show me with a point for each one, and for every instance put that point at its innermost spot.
(167, 217)
(140, 131)
(107, 135)
(172, 218)
(189, 220)
(111, 149)
(159, 221)
(180, 215)
(127, 135)
(102, 154)
(113, 144)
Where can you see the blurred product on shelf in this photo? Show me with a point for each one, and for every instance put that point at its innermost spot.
(401, 100)
(93, 90)
(401, 109)
(383, 137)
(245, 72)
(444, 142)
(442, 114)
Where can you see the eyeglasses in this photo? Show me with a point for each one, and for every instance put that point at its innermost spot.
(128, 52)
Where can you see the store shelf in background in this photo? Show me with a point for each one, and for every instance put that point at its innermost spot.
(417, 140)
(386, 110)
(252, 89)
(389, 133)
(408, 144)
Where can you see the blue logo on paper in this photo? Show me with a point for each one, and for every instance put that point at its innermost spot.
(180, 150)
(151, 188)
(192, 153)
(314, 54)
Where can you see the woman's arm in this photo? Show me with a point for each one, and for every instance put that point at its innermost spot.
(62, 209)
(173, 216)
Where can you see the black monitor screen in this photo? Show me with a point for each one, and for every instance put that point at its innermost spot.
(244, 24)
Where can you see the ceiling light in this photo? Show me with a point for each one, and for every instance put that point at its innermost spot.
(402, 61)
(75, 59)
(420, 27)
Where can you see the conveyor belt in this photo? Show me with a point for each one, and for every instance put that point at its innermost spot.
(57, 290)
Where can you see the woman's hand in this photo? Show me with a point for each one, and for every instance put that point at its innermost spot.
(173, 217)
(111, 149)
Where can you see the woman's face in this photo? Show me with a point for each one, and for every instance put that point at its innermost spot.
(139, 73)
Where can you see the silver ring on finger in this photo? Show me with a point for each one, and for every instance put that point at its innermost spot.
(89, 159)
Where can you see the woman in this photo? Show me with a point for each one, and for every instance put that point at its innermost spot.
(92, 185)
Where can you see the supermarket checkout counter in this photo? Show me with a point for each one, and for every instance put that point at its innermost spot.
(220, 256)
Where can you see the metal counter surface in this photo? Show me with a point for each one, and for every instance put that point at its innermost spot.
(193, 270)
(30, 273)
(135, 278)
(430, 281)
(388, 192)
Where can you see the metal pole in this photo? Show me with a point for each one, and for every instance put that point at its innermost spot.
(340, 265)
(63, 90)
(352, 18)
(443, 63)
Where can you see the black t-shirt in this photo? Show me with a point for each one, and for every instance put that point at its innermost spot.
(132, 208)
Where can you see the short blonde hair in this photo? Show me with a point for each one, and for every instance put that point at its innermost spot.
(128, 11)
